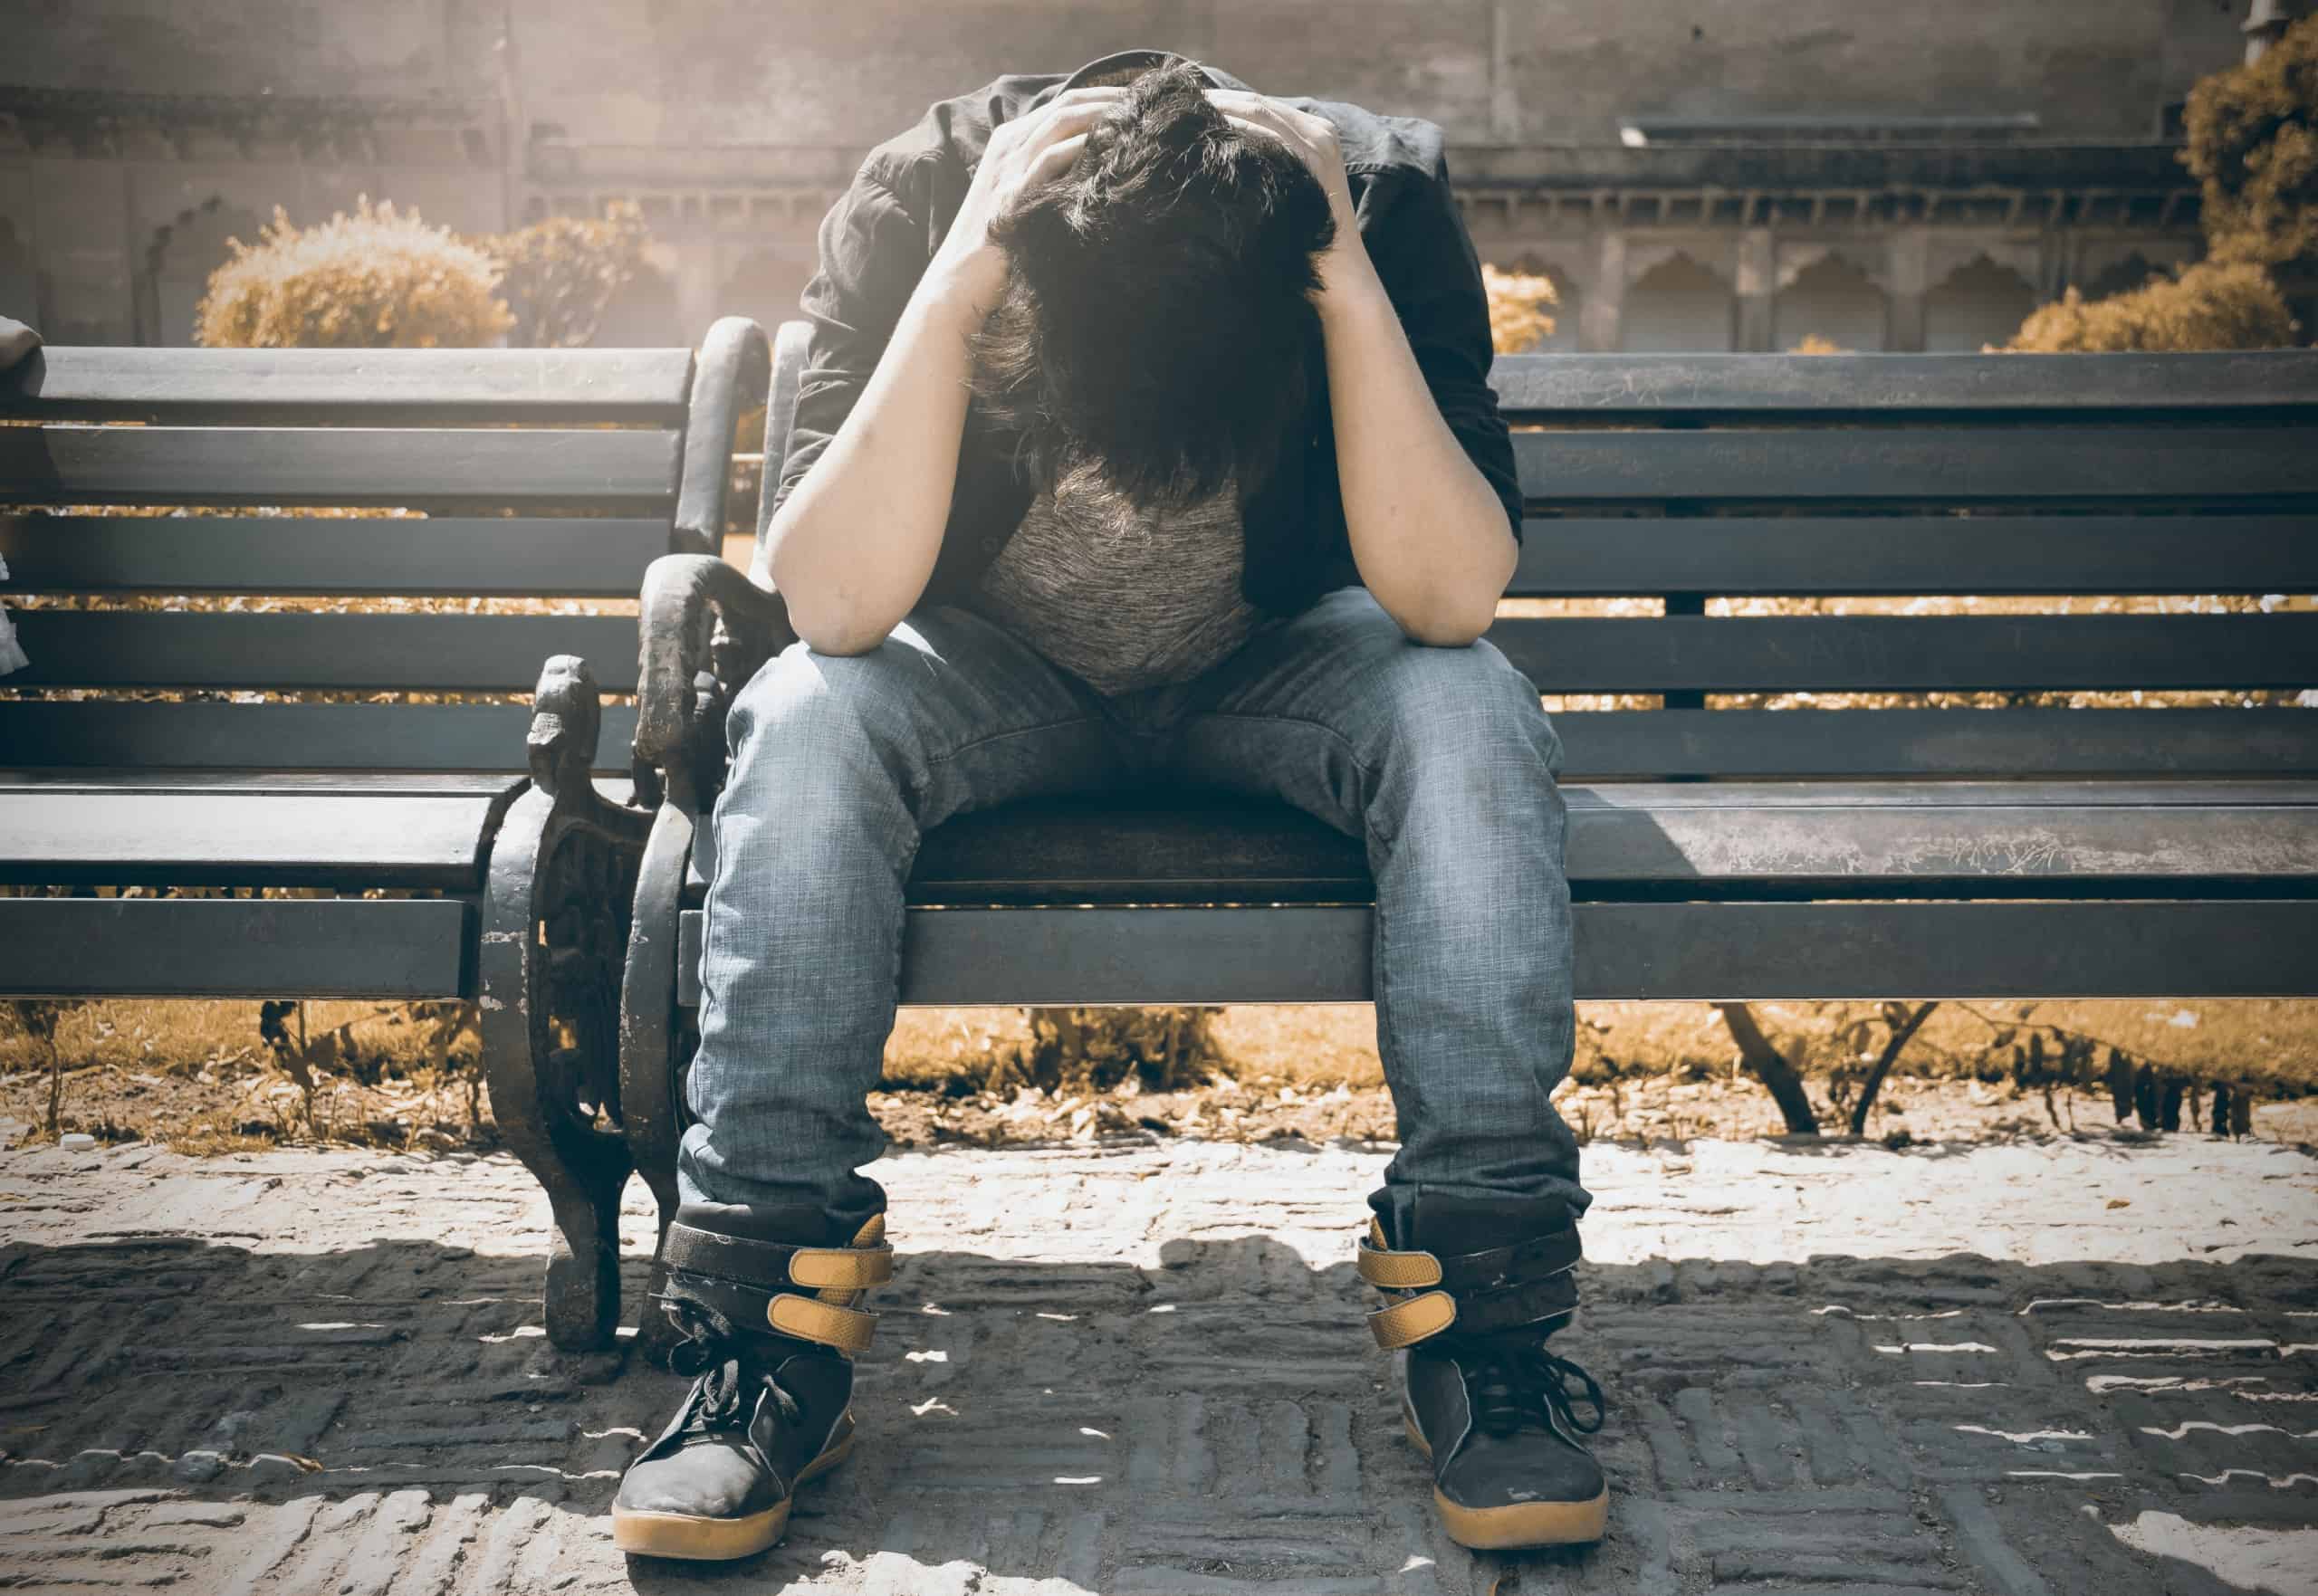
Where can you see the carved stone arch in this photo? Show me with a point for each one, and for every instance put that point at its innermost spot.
(1794, 259)
(1979, 303)
(1676, 304)
(1944, 256)
(2120, 266)
(1830, 296)
(178, 264)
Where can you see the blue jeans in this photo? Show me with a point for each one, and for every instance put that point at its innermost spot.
(1443, 759)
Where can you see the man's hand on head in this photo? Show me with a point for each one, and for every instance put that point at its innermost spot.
(1313, 140)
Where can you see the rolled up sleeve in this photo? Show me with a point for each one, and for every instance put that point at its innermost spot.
(1426, 260)
(873, 251)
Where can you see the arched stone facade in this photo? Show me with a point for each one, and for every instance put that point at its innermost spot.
(178, 264)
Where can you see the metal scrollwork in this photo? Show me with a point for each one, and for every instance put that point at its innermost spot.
(563, 872)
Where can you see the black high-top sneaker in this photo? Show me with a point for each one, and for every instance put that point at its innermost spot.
(1479, 1286)
(770, 1329)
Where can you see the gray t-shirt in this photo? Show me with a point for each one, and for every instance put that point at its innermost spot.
(1121, 597)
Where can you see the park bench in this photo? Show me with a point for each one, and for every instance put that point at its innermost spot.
(1717, 850)
(440, 849)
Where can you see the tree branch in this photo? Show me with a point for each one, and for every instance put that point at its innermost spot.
(1771, 1067)
(1902, 1030)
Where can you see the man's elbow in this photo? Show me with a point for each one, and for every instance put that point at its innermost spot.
(835, 632)
(1444, 619)
(1448, 629)
(1455, 616)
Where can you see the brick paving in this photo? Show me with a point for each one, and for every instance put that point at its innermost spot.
(2021, 1369)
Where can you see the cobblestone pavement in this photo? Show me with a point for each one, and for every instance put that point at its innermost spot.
(2024, 1370)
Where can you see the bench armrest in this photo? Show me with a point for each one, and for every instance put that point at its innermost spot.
(732, 372)
(704, 629)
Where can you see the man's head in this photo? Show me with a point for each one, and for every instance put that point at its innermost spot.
(1156, 307)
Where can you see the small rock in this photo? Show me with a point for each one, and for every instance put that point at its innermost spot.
(76, 1139)
(200, 1467)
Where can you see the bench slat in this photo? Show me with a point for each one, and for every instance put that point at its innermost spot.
(486, 558)
(1860, 839)
(1868, 653)
(334, 465)
(428, 385)
(1930, 464)
(1598, 745)
(1689, 952)
(405, 948)
(1756, 743)
(1587, 557)
(485, 653)
(148, 838)
(1663, 385)
(79, 648)
(115, 734)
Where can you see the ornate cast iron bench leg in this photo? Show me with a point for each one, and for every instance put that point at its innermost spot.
(555, 931)
(656, 1038)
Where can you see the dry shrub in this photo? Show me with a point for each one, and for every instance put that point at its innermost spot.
(560, 273)
(379, 279)
(1518, 301)
(2212, 305)
(2253, 144)
(1165, 1049)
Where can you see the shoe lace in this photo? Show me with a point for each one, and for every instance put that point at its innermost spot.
(1518, 1384)
(710, 1350)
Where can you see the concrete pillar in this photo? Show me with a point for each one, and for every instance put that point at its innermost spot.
(1757, 279)
(1908, 274)
(694, 266)
(2267, 22)
(1597, 323)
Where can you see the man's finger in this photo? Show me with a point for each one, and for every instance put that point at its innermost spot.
(1056, 159)
(1049, 124)
(1260, 129)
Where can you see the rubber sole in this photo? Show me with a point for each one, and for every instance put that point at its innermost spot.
(689, 1538)
(1518, 1526)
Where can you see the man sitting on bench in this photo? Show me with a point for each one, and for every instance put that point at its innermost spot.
(1149, 437)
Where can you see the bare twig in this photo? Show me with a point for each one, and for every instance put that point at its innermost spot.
(1904, 1025)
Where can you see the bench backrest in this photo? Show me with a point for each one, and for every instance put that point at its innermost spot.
(1699, 484)
(543, 476)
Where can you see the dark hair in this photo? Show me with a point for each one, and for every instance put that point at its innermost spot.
(1156, 309)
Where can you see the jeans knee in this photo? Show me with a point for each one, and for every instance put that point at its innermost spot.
(810, 699)
(1468, 706)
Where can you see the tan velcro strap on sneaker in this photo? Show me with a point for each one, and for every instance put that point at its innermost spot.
(1399, 1271)
(848, 1330)
(1406, 1323)
(848, 1269)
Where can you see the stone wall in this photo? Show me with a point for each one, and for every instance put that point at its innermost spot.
(136, 136)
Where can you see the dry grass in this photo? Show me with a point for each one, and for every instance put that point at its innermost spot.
(197, 1077)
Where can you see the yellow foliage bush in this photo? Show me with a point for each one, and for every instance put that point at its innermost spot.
(2211, 305)
(2253, 144)
(1516, 309)
(379, 279)
(560, 274)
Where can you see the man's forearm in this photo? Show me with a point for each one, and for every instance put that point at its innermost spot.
(854, 544)
(1427, 531)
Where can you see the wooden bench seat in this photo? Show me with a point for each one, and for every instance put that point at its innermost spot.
(2037, 870)
(193, 720)
(1977, 761)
